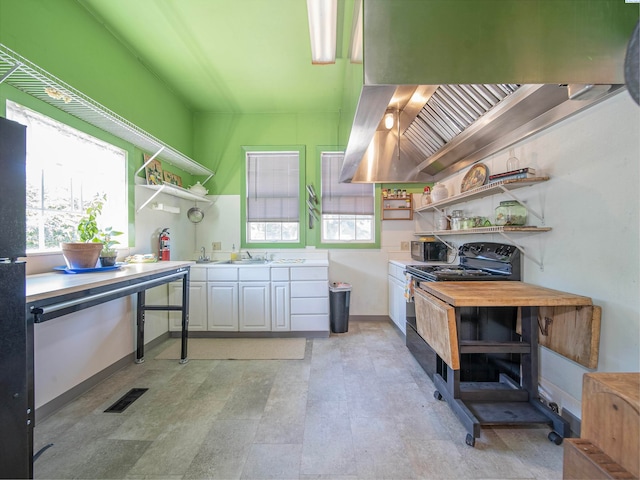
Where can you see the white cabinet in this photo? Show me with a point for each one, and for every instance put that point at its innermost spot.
(397, 301)
(197, 301)
(197, 306)
(222, 299)
(222, 306)
(310, 299)
(255, 311)
(280, 300)
(254, 299)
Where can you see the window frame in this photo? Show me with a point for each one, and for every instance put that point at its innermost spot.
(377, 195)
(300, 150)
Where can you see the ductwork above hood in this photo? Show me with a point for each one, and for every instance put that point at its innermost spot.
(433, 66)
(441, 129)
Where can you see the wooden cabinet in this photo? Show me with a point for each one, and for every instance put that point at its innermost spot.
(397, 208)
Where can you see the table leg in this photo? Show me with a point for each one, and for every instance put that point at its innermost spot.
(140, 328)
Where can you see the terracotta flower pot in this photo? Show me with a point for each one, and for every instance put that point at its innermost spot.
(81, 255)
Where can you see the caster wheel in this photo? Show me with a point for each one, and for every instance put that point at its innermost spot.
(555, 438)
(470, 440)
(437, 395)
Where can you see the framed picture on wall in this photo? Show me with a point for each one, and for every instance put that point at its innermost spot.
(172, 178)
(153, 171)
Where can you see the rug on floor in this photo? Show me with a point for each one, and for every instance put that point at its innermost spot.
(237, 349)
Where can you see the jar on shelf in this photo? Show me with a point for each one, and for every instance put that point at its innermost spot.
(510, 212)
(426, 196)
(439, 193)
(442, 223)
(456, 219)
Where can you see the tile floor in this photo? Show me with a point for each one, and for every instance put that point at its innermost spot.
(357, 407)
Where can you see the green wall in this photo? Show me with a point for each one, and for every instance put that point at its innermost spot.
(64, 39)
(219, 138)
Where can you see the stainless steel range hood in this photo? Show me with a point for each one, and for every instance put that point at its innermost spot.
(443, 127)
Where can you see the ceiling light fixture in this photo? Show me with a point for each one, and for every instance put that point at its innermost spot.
(355, 50)
(323, 16)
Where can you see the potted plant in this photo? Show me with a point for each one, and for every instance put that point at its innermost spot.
(109, 253)
(85, 252)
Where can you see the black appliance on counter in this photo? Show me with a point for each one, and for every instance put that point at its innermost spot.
(16, 342)
(478, 261)
(428, 251)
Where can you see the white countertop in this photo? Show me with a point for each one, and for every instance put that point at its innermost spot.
(274, 264)
(46, 285)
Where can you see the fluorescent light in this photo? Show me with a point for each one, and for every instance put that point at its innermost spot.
(323, 16)
(355, 50)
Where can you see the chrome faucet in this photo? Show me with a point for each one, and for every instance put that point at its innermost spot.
(202, 254)
(248, 254)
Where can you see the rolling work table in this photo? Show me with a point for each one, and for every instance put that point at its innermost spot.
(468, 318)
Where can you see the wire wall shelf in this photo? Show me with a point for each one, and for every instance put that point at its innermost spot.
(27, 77)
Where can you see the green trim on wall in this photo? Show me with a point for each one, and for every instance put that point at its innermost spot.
(301, 204)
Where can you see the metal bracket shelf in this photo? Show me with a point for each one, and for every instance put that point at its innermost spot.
(27, 77)
(172, 190)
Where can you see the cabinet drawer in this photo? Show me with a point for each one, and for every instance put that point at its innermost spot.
(309, 323)
(224, 274)
(198, 274)
(280, 274)
(309, 305)
(254, 274)
(310, 273)
(318, 288)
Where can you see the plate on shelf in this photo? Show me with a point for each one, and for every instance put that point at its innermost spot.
(475, 177)
(88, 270)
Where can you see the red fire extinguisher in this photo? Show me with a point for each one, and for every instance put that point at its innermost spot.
(165, 245)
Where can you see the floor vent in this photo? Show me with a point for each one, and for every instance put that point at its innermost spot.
(129, 397)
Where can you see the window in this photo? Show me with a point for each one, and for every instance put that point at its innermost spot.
(273, 197)
(66, 168)
(347, 208)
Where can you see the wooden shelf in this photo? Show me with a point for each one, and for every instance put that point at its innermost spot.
(391, 209)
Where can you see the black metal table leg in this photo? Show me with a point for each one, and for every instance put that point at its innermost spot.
(140, 327)
(185, 317)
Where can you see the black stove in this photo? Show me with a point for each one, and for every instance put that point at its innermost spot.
(478, 261)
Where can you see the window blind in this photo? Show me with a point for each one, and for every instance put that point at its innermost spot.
(273, 187)
(343, 198)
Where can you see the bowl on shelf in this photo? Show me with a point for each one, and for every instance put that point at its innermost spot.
(198, 189)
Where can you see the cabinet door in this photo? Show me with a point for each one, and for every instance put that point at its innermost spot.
(197, 306)
(280, 311)
(222, 311)
(392, 299)
(255, 311)
(400, 304)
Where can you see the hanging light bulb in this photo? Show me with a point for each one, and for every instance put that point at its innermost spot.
(388, 120)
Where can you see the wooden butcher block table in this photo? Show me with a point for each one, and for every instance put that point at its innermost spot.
(478, 319)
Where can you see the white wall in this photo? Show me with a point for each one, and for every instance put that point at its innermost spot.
(592, 202)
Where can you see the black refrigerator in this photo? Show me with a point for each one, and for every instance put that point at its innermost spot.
(16, 337)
